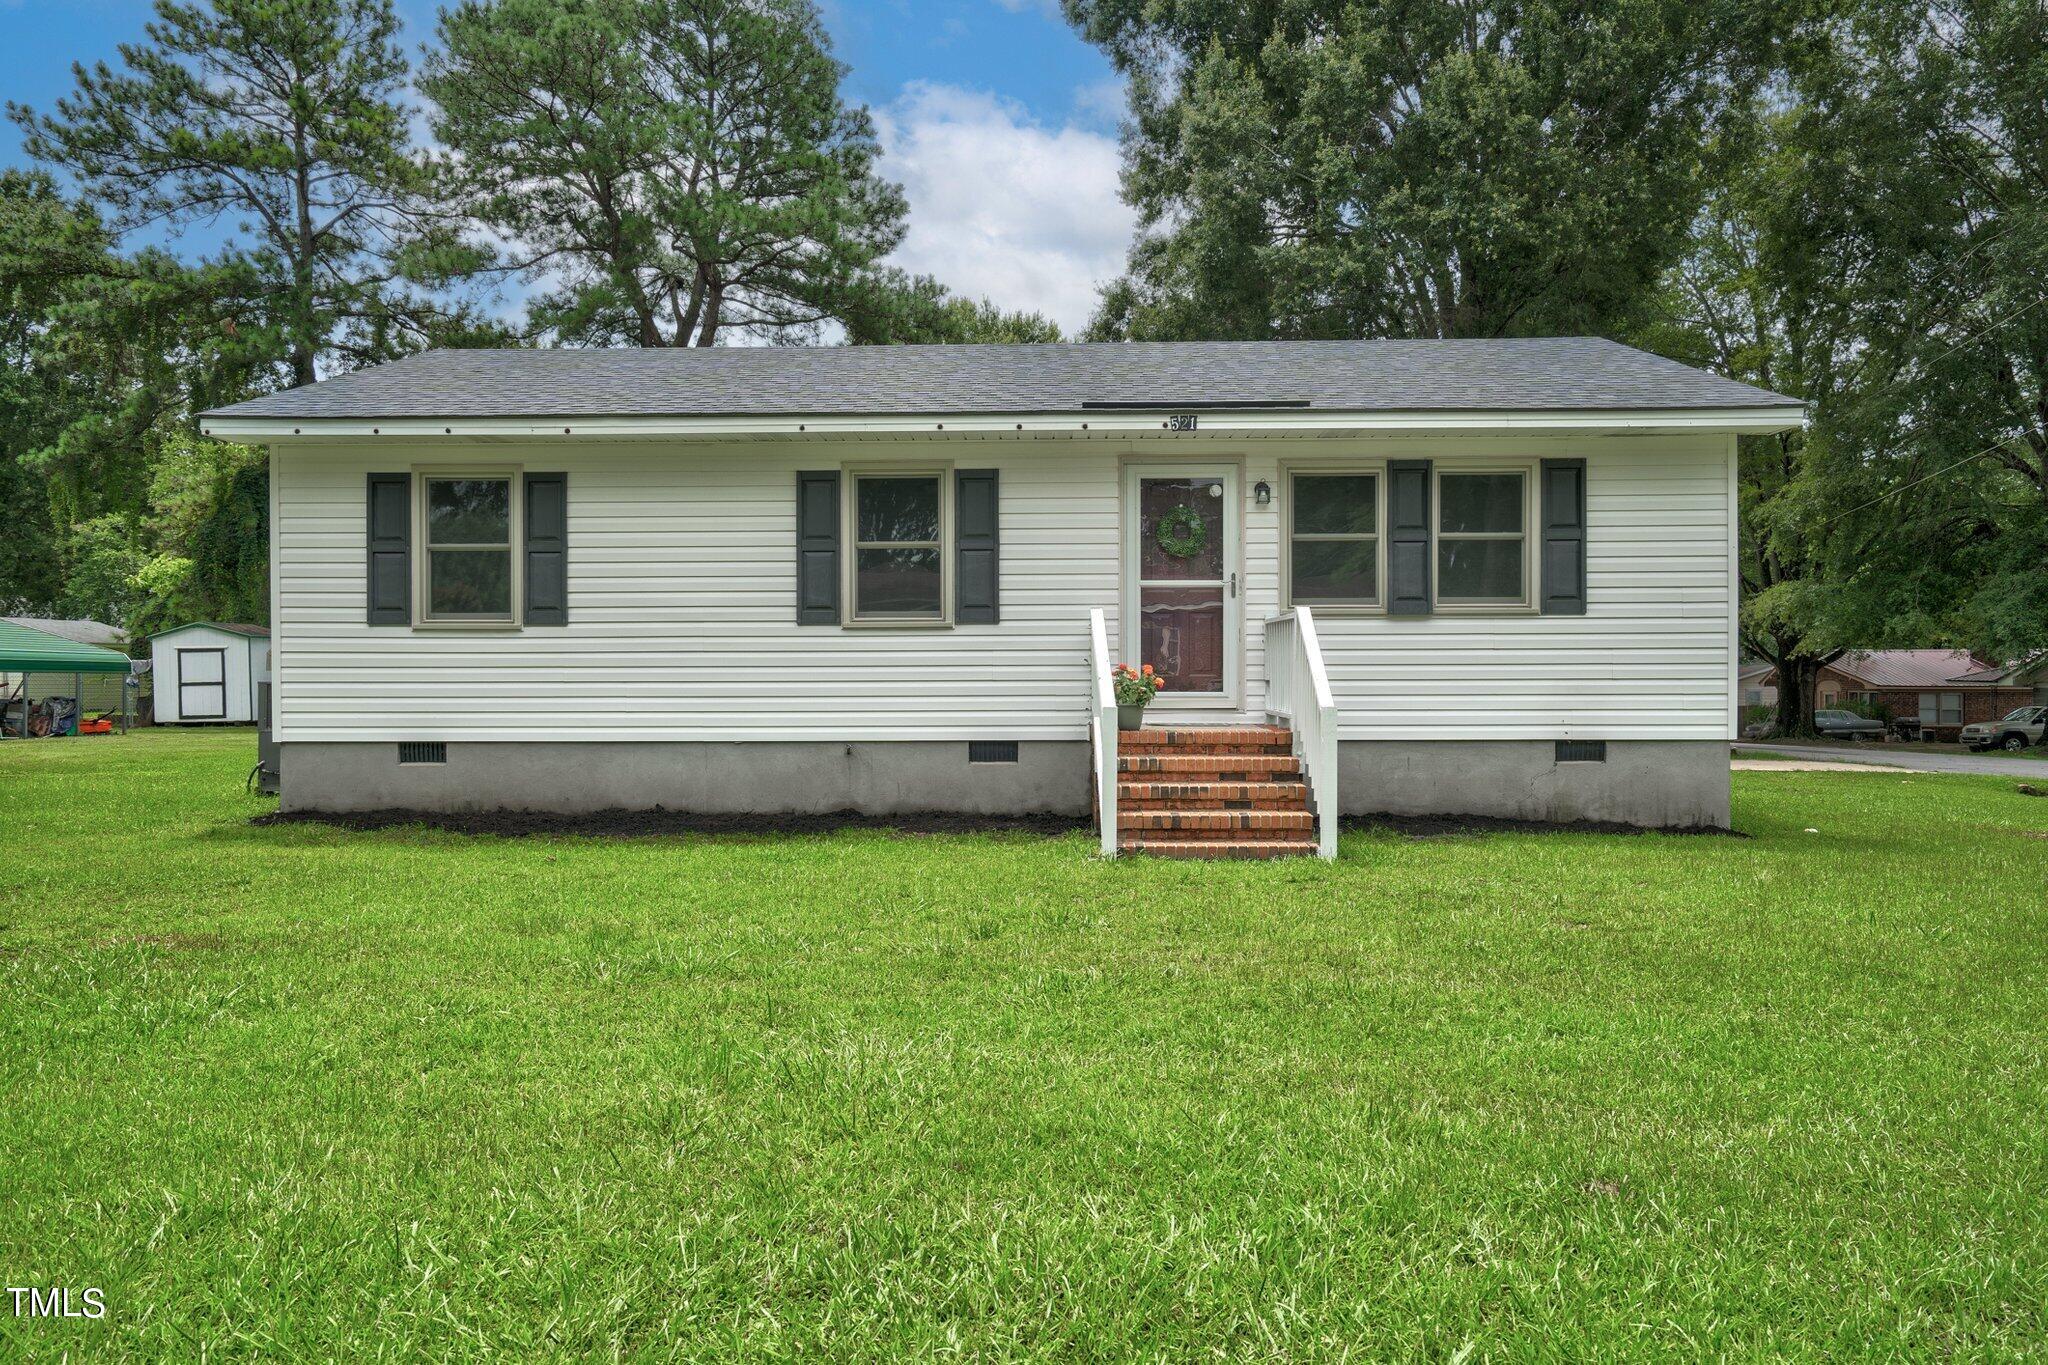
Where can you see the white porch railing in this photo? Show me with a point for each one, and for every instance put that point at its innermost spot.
(1298, 692)
(1102, 727)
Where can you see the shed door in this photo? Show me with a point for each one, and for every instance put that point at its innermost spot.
(202, 684)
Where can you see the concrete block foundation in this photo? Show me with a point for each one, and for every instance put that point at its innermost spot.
(1659, 784)
(1654, 783)
(892, 778)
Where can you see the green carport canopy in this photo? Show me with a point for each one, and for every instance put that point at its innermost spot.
(23, 650)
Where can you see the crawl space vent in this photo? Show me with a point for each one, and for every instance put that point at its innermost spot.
(991, 751)
(1582, 751)
(423, 751)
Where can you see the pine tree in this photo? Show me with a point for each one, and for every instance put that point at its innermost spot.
(673, 168)
(287, 120)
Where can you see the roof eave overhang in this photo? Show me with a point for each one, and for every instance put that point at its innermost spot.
(1740, 421)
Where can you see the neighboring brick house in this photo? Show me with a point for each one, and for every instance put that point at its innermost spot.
(1756, 684)
(2028, 678)
(1943, 689)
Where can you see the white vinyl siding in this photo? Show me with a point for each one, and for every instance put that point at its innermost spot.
(682, 582)
(682, 588)
(1652, 658)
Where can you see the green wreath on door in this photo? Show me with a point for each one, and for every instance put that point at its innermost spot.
(1182, 533)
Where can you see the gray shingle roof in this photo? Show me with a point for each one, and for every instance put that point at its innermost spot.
(1534, 374)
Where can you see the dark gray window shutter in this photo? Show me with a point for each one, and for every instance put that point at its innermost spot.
(817, 548)
(1408, 538)
(1564, 537)
(547, 549)
(390, 548)
(976, 519)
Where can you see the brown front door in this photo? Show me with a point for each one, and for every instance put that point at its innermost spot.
(1183, 558)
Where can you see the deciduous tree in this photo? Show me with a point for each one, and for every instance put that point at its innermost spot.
(101, 355)
(1325, 168)
(897, 309)
(1930, 127)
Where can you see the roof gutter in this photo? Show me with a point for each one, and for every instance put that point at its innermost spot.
(1156, 422)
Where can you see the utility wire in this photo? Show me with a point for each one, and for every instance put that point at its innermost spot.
(1927, 367)
(1994, 447)
(1986, 330)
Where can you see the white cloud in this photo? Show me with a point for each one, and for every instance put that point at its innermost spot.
(1103, 104)
(1003, 207)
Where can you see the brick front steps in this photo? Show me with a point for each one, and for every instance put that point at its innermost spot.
(1212, 792)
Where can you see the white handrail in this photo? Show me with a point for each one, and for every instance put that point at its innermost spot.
(1102, 728)
(1280, 650)
(1298, 691)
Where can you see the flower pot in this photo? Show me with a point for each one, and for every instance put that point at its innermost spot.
(1130, 717)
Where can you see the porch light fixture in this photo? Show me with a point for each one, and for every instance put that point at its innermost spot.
(1262, 493)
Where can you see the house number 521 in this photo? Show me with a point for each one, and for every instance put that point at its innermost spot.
(1181, 421)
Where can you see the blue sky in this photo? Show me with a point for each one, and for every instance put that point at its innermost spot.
(997, 119)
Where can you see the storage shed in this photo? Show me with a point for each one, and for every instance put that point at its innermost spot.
(206, 672)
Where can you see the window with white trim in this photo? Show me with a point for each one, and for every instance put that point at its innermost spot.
(1482, 537)
(900, 521)
(468, 570)
(1333, 544)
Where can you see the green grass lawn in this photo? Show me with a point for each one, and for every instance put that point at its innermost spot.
(306, 1094)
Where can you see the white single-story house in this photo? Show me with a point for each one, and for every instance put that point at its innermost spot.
(205, 672)
(1470, 577)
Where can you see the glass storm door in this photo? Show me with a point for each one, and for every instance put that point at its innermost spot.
(1181, 580)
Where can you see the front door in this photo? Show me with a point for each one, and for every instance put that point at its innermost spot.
(1181, 606)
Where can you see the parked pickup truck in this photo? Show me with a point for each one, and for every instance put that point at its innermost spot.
(1847, 725)
(2023, 727)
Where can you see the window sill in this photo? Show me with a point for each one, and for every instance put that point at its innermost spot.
(1336, 611)
(466, 627)
(1484, 609)
(895, 625)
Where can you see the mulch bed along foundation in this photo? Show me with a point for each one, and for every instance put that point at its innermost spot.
(1439, 826)
(658, 822)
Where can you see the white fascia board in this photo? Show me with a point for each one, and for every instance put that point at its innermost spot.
(1747, 421)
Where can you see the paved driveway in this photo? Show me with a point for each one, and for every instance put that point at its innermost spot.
(1877, 757)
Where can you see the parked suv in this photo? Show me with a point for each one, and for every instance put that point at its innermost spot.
(2023, 727)
(1846, 725)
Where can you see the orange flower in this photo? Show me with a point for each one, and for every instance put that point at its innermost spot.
(1148, 669)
